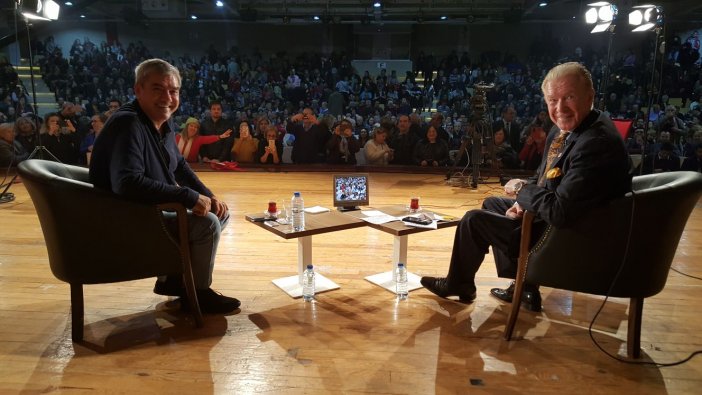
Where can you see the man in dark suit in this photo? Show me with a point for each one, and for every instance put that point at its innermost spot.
(512, 128)
(586, 166)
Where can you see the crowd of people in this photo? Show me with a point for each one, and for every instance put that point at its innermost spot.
(249, 107)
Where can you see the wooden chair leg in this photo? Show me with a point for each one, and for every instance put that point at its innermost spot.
(77, 312)
(188, 280)
(192, 295)
(521, 274)
(633, 336)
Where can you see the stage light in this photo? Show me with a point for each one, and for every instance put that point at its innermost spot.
(444, 17)
(600, 14)
(44, 10)
(646, 17)
(193, 17)
(68, 3)
(316, 17)
(219, 3)
(377, 4)
(543, 4)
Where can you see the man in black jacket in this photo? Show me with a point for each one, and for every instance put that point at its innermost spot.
(136, 157)
(586, 166)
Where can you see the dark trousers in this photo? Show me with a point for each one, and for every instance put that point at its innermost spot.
(478, 230)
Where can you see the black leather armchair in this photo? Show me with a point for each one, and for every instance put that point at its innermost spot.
(95, 237)
(624, 249)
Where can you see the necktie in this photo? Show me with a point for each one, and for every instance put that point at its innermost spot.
(553, 151)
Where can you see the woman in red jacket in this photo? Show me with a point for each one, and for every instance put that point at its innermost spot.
(189, 140)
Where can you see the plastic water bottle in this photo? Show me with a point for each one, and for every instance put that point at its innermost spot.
(401, 282)
(308, 284)
(298, 212)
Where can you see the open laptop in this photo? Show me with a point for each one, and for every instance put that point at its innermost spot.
(350, 191)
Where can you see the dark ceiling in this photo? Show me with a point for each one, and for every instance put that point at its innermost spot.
(356, 11)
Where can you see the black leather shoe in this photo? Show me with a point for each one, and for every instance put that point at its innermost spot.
(531, 299)
(439, 287)
(212, 302)
(173, 286)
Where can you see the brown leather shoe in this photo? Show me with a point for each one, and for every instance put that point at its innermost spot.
(439, 287)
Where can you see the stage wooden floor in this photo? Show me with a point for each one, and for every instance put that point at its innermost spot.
(357, 339)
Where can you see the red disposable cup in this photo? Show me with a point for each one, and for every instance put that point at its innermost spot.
(414, 203)
(272, 208)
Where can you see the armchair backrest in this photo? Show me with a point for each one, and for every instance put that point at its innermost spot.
(94, 236)
(586, 256)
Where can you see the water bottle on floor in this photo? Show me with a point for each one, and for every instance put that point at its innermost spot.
(298, 212)
(401, 282)
(308, 284)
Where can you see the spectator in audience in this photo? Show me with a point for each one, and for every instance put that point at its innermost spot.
(533, 149)
(363, 137)
(190, 141)
(60, 141)
(376, 150)
(505, 155)
(691, 145)
(403, 142)
(270, 147)
(11, 151)
(25, 133)
(672, 124)
(431, 152)
(97, 121)
(310, 137)
(511, 127)
(216, 125)
(245, 146)
(342, 146)
(694, 162)
(437, 121)
(635, 144)
(112, 106)
(664, 138)
(663, 161)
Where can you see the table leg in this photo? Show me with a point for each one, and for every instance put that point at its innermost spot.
(387, 279)
(292, 285)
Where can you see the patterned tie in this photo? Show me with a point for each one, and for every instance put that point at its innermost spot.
(553, 151)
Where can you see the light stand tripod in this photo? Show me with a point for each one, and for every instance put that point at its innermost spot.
(39, 150)
(651, 94)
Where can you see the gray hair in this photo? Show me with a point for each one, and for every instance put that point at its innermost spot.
(157, 66)
(570, 68)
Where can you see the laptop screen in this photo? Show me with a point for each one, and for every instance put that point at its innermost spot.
(351, 190)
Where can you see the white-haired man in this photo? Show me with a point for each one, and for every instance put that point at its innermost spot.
(586, 166)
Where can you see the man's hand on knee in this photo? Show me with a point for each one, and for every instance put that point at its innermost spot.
(219, 208)
(515, 212)
(203, 205)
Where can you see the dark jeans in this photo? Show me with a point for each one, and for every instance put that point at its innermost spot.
(476, 232)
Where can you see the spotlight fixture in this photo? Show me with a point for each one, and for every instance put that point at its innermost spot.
(600, 14)
(543, 4)
(316, 17)
(443, 17)
(219, 3)
(377, 4)
(37, 9)
(193, 17)
(645, 17)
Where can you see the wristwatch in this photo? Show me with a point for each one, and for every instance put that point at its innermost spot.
(518, 187)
